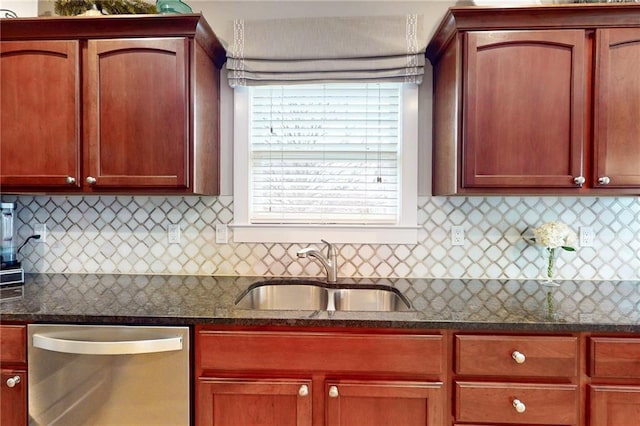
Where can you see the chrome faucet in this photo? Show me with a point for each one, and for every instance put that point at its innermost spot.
(329, 261)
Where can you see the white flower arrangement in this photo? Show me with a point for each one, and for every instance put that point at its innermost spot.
(554, 235)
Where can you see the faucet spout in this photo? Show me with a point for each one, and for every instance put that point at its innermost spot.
(329, 261)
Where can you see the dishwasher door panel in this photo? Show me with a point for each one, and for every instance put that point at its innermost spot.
(129, 385)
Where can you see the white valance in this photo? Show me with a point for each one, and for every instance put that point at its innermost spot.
(321, 50)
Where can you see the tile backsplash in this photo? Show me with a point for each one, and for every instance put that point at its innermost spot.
(128, 234)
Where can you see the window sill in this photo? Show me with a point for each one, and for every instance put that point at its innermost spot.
(343, 234)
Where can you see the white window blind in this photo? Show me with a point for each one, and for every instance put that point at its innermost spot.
(325, 153)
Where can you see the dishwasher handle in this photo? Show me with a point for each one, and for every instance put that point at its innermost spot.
(117, 347)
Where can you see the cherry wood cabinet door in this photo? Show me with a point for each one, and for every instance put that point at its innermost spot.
(256, 402)
(380, 403)
(524, 108)
(137, 107)
(617, 108)
(13, 397)
(614, 405)
(39, 112)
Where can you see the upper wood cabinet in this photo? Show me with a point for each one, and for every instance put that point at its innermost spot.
(537, 100)
(617, 108)
(39, 113)
(127, 104)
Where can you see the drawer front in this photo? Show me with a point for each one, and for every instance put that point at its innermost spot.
(520, 356)
(328, 352)
(498, 402)
(13, 344)
(614, 357)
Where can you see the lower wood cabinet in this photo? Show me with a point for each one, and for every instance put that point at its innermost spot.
(517, 403)
(614, 405)
(614, 370)
(289, 402)
(235, 401)
(307, 378)
(380, 403)
(516, 379)
(13, 370)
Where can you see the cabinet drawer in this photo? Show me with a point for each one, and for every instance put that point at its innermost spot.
(614, 357)
(13, 343)
(531, 356)
(495, 402)
(321, 351)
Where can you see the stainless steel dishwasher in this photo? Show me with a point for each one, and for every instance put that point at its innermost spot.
(108, 375)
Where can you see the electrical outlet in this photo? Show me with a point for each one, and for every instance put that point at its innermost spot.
(221, 233)
(40, 229)
(173, 233)
(457, 235)
(587, 236)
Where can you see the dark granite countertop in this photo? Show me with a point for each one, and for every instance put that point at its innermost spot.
(507, 305)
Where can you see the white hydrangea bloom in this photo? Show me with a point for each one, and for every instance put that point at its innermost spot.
(554, 235)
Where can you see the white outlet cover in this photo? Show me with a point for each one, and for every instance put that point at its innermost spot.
(457, 235)
(587, 236)
(173, 233)
(41, 229)
(221, 233)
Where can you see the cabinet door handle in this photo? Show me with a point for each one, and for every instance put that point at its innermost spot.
(304, 390)
(519, 406)
(518, 357)
(71, 180)
(604, 180)
(91, 180)
(333, 391)
(12, 381)
(579, 180)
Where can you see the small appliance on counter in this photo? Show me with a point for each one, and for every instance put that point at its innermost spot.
(11, 271)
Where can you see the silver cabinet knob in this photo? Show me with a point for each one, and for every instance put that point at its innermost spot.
(91, 180)
(333, 391)
(12, 381)
(304, 390)
(604, 180)
(518, 357)
(71, 180)
(519, 406)
(579, 180)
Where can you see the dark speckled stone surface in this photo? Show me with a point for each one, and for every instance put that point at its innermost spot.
(605, 306)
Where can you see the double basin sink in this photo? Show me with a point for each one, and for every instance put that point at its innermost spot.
(308, 295)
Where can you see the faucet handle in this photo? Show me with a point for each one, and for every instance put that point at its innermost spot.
(330, 249)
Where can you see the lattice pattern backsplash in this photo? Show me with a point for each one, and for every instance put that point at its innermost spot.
(114, 234)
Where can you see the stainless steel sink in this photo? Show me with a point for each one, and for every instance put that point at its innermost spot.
(317, 296)
(370, 299)
(284, 296)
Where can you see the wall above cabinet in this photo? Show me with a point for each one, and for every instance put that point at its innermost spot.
(537, 100)
(115, 104)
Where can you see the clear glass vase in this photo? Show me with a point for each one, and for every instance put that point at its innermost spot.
(548, 273)
(549, 309)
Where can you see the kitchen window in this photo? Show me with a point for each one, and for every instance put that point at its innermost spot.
(336, 161)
